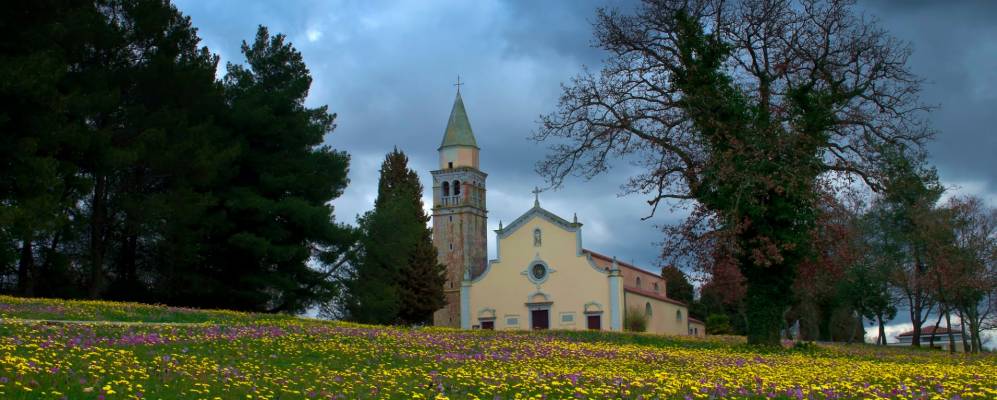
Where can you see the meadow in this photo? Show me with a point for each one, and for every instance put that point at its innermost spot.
(154, 352)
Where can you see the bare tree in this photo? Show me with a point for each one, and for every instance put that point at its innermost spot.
(970, 280)
(738, 110)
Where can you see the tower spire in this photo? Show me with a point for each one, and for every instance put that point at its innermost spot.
(458, 132)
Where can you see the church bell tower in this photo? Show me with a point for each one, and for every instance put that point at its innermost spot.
(459, 215)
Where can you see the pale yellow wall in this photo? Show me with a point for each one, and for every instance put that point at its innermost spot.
(663, 318)
(461, 156)
(573, 283)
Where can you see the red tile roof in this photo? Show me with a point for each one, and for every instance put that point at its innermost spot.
(605, 261)
(691, 319)
(653, 295)
(930, 330)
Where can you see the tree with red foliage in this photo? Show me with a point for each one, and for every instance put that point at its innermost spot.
(818, 284)
(723, 294)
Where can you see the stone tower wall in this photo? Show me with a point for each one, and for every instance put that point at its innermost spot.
(459, 233)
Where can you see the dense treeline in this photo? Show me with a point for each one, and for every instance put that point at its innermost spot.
(129, 171)
(901, 250)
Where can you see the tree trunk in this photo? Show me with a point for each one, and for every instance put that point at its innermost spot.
(948, 326)
(824, 324)
(25, 269)
(966, 347)
(882, 331)
(978, 347)
(53, 280)
(974, 333)
(98, 216)
(915, 319)
(127, 285)
(916, 299)
(931, 342)
(765, 300)
(856, 325)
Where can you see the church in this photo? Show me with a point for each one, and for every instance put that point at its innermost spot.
(543, 277)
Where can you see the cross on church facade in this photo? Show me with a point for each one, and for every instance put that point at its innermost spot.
(458, 84)
(536, 196)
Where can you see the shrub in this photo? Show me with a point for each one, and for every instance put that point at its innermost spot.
(718, 324)
(634, 320)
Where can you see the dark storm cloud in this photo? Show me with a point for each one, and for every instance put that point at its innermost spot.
(955, 51)
(387, 69)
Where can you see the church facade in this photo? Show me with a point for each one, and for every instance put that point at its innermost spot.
(542, 278)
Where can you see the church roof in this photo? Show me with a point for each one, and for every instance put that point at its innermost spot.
(458, 131)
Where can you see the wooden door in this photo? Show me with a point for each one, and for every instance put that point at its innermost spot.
(541, 319)
(488, 325)
(594, 322)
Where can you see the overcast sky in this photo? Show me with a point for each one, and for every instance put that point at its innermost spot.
(388, 67)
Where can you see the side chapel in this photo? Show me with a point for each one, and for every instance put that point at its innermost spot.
(543, 277)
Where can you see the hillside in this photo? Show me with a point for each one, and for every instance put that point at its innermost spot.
(137, 351)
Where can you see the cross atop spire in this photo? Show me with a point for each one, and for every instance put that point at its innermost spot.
(458, 84)
(536, 196)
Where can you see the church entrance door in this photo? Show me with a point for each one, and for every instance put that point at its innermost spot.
(541, 319)
(594, 322)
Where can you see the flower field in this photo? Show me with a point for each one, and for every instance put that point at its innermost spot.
(228, 355)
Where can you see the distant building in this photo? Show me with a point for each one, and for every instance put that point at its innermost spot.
(940, 335)
(543, 278)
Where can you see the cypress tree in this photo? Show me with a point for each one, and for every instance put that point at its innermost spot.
(677, 284)
(421, 287)
(398, 279)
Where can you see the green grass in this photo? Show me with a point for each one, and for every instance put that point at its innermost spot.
(97, 310)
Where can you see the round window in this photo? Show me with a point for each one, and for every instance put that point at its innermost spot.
(539, 271)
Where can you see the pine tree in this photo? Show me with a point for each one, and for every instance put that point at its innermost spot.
(398, 279)
(274, 204)
(160, 190)
(38, 185)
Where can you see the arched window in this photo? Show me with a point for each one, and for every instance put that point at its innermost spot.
(678, 315)
(647, 309)
(456, 188)
(638, 282)
(446, 188)
(656, 286)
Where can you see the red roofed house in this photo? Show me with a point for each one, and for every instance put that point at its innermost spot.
(941, 338)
